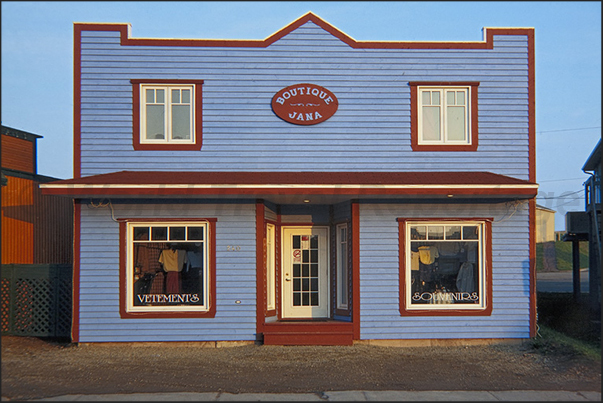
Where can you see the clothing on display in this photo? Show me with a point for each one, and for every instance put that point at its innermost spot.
(465, 279)
(173, 261)
(414, 261)
(146, 256)
(428, 254)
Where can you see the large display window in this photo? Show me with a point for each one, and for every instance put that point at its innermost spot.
(168, 267)
(445, 266)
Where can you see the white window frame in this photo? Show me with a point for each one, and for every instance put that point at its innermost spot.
(443, 90)
(342, 267)
(482, 288)
(167, 123)
(270, 267)
(130, 226)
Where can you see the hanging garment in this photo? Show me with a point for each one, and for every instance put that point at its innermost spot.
(428, 254)
(449, 248)
(173, 259)
(147, 257)
(465, 279)
(194, 259)
(472, 251)
(414, 261)
(172, 282)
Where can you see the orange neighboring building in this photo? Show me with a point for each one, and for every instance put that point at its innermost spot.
(36, 228)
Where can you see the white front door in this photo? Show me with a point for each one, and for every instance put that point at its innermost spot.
(305, 279)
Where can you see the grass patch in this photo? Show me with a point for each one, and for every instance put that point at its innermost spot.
(559, 312)
(550, 341)
(563, 252)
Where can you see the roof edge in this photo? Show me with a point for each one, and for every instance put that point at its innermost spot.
(128, 40)
(594, 158)
(9, 131)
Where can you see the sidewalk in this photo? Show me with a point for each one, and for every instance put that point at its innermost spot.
(341, 396)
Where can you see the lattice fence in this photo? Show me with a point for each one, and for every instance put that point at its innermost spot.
(36, 300)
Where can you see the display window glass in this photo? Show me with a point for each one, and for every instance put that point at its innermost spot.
(167, 267)
(445, 266)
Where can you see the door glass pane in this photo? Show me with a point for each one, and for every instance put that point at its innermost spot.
(305, 274)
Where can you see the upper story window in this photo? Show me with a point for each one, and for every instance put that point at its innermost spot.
(167, 114)
(445, 267)
(444, 116)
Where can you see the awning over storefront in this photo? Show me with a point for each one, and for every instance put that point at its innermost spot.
(295, 187)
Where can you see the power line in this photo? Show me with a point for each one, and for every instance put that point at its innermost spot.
(562, 196)
(568, 130)
(562, 180)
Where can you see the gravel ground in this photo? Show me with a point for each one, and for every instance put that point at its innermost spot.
(36, 368)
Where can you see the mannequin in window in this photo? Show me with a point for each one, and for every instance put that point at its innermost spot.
(173, 260)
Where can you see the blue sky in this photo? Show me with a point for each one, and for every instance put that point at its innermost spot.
(37, 62)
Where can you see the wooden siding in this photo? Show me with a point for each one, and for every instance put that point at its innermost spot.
(17, 220)
(36, 228)
(18, 154)
(369, 132)
(99, 319)
(379, 275)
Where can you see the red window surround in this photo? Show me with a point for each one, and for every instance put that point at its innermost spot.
(404, 283)
(414, 118)
(123, 267)
(198, 113)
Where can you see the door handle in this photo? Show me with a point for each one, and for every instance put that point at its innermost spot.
(287, 278)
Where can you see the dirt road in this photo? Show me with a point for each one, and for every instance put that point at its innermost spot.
(33, 368)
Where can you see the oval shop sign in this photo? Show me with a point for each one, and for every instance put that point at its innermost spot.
(304, 104)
